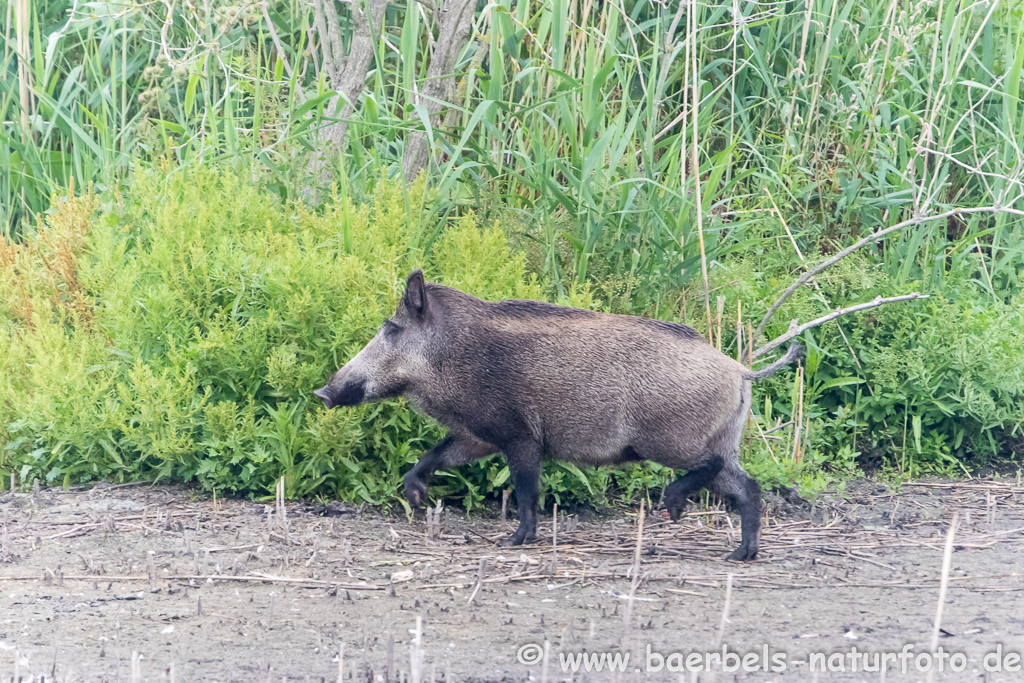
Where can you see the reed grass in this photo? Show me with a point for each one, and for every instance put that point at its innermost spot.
(641, 152)
(603, 125)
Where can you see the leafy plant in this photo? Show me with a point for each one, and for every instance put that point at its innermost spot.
(171, 317)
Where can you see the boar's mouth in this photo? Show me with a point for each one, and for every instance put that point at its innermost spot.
(351, 394)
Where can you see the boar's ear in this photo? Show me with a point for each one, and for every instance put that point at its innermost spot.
(415, 297)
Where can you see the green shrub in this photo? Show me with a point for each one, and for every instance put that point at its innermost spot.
(933, 385)
(185, 333)
(178, 333)
(198, 316)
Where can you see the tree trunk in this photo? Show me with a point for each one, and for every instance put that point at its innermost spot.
(346, 73)
(455, 25)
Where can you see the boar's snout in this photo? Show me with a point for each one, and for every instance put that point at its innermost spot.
(325, 396)
(349, 394)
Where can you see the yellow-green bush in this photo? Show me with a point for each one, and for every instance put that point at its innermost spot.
(179, 333)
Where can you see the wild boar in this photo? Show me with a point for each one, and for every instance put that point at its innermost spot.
(531, 379)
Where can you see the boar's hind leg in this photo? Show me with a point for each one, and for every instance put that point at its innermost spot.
(693, 481)
(449, 452)
(733, 484)
(743, 493)
(524, 466)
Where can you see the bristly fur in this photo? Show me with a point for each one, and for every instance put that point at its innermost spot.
(531, 379)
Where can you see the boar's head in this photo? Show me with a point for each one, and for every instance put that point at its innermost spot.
(392, 360)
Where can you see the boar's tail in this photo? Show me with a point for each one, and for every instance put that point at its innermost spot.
(795, 352)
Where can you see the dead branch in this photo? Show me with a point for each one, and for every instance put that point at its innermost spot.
(277, 44)
(795, 331)
(454, 27)
(873, 237)
(168, 22)
(346, 72)
(260, 578)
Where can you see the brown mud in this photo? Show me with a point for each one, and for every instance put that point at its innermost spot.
(140, 583)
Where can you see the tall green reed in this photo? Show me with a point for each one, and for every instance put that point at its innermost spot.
(576, 116)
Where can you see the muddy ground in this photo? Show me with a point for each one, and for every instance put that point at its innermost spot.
(158, 583)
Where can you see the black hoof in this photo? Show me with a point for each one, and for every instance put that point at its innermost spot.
(676, 512)
(675, 504)
(745, 553)
(520, 538)
(415, 490)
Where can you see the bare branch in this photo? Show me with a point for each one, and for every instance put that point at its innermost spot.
(164, 29)
(454, 27)
(435, 11)
(977, 168)
(277, 43)
(321, 31)
(333, 38)
(796, 331)
(873, 237)
(346, 72)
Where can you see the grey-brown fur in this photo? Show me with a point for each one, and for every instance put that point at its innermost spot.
(531, 379)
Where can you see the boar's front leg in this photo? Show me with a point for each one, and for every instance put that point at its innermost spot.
(694, 480)
(452, 451)
(524, 465)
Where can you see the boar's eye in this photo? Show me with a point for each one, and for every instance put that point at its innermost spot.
(390, 328)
